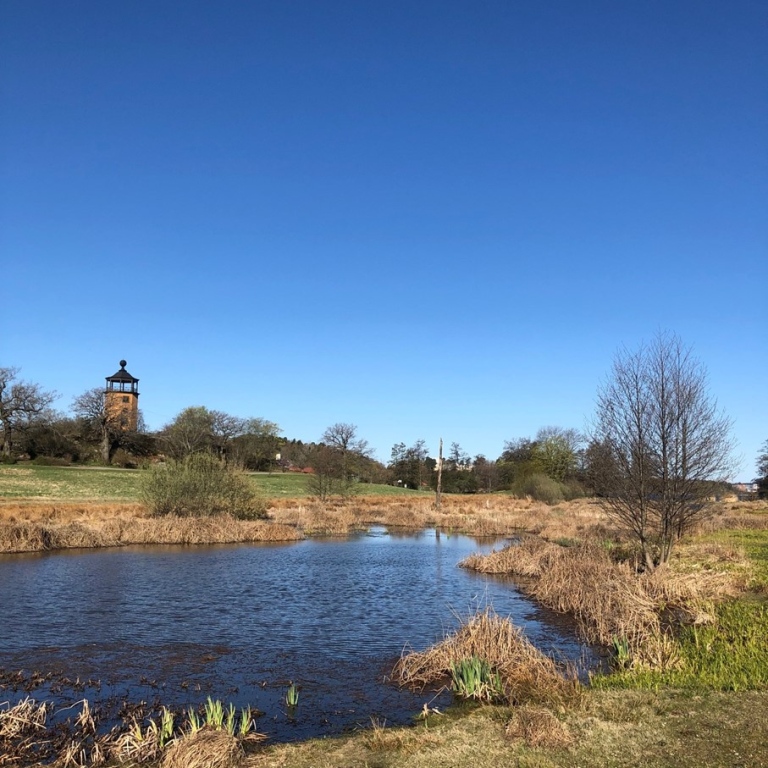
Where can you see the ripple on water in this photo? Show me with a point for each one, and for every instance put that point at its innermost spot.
(177, 624)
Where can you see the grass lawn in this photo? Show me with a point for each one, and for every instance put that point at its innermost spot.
(105, 484)
(613, 729)
(69, 484)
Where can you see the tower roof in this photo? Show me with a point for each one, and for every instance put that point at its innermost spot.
(122, 375)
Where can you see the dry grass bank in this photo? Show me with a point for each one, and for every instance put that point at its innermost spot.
(76, 528)
(33, 524)
(596, 580)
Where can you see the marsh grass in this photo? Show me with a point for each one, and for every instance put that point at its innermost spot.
(292, 696)
(524, 673)
(205, 748)
(121, 532)
(611, 601)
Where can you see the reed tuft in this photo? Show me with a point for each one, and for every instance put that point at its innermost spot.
(205, 748)
(526, 674)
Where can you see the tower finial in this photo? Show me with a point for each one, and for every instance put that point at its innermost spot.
(123, 363)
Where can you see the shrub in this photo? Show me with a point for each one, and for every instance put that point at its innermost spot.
(198, 486)
(50, 461)
(541, 488)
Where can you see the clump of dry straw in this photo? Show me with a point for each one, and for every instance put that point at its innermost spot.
(527, 675)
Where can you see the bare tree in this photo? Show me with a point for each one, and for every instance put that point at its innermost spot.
(663, 443)
(105, 425)
(21, 403)
(343, 438)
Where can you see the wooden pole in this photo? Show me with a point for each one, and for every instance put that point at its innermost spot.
(439, 493)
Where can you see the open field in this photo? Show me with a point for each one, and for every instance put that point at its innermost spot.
(107, 484)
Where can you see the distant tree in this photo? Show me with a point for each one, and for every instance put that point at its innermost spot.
(257, 445)
(57, 436)
(22, 403)
(106, 427)
(457, 474)
(343, 439)
(762, 472)
(327, 478)
(516, 461)
(408, 466)
(338, 461)
(665, 442)
(555, 452)
(486, 473)
(191, 431)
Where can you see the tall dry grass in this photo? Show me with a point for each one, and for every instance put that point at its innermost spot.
(44, 535)
(38, 525)
(206, 748)
(527, 675)
(610, 600)
(496, 515)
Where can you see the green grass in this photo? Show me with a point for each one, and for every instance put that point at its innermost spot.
(729, 654)
(755, 544)
(69, 484)
(105, 484)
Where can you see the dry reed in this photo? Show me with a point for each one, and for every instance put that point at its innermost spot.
(23, 719)
(120, 532)
(538, 727)
(527, 675)
(206, 748)
(610, 601)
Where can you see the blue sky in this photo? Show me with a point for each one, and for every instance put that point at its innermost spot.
(428, 219)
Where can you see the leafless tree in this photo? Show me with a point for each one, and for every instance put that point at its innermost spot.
(343, 438)
(106, 426)
(21, 403)
(663, 442)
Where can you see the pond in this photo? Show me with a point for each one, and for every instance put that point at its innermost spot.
(174, 625)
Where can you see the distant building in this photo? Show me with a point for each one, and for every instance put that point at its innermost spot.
(121, 400)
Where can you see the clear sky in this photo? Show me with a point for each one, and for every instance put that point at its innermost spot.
(425, 218)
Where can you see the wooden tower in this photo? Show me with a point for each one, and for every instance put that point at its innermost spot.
(121, 400)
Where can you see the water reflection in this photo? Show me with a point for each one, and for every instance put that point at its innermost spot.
(238, 622)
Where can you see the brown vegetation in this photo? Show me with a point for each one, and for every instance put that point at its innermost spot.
(42, 525)
(538, 727)
(612, 600)
(70, 527)
(527, 675)
(206, 748)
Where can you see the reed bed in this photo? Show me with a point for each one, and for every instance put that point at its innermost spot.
(121, 532)
(611, 601)
(215, 738)
(527, 675)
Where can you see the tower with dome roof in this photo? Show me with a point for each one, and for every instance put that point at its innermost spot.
(121, 399)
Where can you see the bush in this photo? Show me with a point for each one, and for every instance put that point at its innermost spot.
(50, 461)
(541, 488)
(199, 486)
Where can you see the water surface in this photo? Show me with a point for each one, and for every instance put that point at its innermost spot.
(173, 625)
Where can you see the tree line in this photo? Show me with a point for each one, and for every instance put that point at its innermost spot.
(657, 450)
